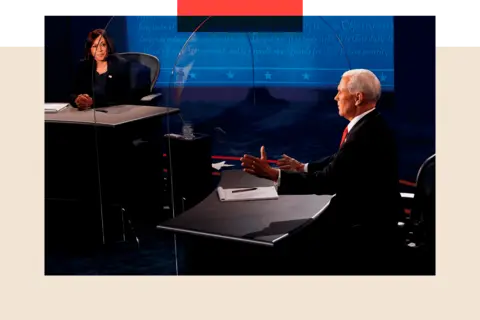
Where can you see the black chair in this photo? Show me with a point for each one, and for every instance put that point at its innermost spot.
(145, 69)
(419, 225)
(421, 220)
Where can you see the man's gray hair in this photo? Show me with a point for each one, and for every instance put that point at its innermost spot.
(365, 81)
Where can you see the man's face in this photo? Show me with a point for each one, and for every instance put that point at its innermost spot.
(345, 100)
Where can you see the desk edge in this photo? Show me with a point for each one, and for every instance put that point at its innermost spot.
(324, 207)
(200, 233)
(98, 124)
(103, 124)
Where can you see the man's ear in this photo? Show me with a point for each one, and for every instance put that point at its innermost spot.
(358, 98)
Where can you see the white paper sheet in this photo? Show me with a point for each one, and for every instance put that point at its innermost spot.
(55, 107)
(260, 193)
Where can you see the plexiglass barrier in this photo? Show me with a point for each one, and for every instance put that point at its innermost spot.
(171, 117)
(230, 90)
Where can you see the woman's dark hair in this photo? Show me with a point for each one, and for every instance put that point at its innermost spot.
(92, 36)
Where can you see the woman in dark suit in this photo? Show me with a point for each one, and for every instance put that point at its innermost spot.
(102, 78)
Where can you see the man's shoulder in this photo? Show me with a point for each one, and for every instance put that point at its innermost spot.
(374, 122)
(381, 124)
(374, 130)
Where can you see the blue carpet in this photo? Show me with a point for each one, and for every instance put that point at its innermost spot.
(154, 256)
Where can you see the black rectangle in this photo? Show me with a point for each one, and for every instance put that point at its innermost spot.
(452, 24)
(240, 23)
(190, 168)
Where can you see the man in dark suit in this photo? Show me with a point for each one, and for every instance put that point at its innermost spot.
(362, 174)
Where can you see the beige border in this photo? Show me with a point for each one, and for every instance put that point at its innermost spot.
(458, 174)
(27, 294)
(21, 135)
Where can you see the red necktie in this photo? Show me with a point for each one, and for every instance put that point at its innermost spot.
(344, 136)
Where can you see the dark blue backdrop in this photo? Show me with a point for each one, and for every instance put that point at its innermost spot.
(316, 57)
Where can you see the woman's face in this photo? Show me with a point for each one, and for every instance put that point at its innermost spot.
(99, 49)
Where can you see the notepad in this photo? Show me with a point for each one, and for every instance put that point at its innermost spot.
(261, 193)
(55, 107)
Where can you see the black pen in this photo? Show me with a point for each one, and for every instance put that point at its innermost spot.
(100, 110)
(242, 190)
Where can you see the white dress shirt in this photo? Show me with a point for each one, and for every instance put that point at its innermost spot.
(349, 126)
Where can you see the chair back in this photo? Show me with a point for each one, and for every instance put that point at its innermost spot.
(145, 60)
(423, 209)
